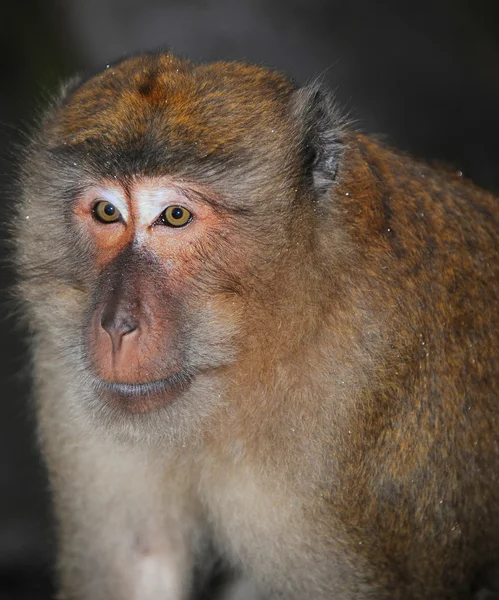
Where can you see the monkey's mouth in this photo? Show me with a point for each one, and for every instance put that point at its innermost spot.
(143, 397)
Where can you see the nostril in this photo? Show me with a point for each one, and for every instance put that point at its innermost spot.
(131, 327)
(125, 325)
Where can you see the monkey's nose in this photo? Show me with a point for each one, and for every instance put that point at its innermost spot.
(118, 324)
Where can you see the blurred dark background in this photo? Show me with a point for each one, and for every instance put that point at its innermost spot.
(425, 74)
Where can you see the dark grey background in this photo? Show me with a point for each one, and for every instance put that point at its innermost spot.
(424, 73)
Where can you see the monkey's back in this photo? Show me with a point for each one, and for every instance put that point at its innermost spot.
(427, 485)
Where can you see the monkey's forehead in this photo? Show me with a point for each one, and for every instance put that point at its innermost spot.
(213, 106)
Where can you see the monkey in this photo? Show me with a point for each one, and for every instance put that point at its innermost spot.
(262, 341)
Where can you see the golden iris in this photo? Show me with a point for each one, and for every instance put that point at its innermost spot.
(176, 216)
(105, 212)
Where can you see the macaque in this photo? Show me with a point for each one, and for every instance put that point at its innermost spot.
(263, 343)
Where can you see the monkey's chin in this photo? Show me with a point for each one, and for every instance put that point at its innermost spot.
(143, 397)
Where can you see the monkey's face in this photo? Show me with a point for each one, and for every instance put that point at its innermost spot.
(162, 211)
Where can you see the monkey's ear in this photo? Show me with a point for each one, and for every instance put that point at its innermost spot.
(321, 135)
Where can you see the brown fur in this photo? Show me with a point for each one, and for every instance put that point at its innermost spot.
(333, 308)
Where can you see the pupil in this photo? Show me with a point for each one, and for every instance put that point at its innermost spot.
(177, 213)
(109, 209)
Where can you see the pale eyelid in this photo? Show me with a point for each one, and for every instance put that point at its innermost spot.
(115, 197)
(151, 202)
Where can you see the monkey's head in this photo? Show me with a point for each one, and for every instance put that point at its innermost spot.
(169, 213)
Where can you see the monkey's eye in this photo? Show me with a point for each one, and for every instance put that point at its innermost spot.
(105, 212)
(176, 216)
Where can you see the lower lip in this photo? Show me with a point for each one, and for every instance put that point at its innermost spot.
(143, 397)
